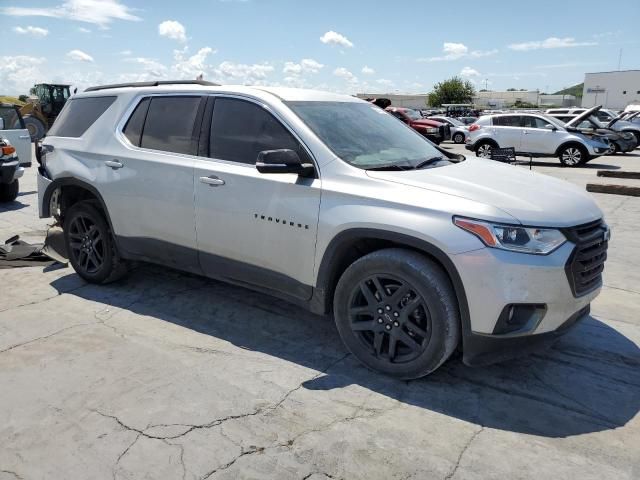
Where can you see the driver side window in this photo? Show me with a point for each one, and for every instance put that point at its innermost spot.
(241, 129)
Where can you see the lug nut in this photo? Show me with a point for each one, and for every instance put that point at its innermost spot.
(380, 310)
(388, 307)
(396, 324)
(396, 314)
(379, 320)
(388, 327)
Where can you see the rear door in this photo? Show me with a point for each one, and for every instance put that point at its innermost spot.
(253, 227)
(536, 137)
(148, 183)
(507, 131)
(17, 134)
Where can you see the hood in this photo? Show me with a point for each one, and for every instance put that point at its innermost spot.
(583, 116)
(426, 122)
(532, 198)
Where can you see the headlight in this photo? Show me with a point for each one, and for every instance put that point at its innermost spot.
(538, 241)
(432, 130)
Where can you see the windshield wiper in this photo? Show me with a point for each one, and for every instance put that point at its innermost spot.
(428, 161)
(391, 166)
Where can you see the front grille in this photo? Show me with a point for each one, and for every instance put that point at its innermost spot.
(586, 263)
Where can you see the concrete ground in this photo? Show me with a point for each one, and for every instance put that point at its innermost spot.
(166, 375)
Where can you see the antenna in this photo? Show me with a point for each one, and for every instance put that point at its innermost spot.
(619, 59)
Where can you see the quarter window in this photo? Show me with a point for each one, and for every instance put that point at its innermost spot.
(169, 124)
(240, 130)
(78, 115)
(135, 124)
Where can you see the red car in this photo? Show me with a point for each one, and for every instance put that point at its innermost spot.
(434, 131)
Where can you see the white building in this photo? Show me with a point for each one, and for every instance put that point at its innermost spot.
(496, 99)
(613, 90)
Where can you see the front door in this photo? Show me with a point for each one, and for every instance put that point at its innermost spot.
(252, 227)
(538, 135)
(15, 131)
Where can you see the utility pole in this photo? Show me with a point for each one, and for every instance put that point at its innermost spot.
(619, 59)
(486, 83)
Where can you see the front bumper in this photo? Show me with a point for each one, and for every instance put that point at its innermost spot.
(627, 145)
(496, 279)
(10, 171)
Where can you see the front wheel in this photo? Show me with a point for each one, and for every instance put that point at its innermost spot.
(573, 156)
(9, 191)
(35, 127)
(90, 245)
(396, 311)
(458, 138)
(484, 150)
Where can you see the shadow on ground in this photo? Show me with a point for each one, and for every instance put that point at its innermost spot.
(12, 206)
(587, 382)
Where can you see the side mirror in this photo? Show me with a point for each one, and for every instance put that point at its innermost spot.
(550, 127)
(1, 123)
(282, 161)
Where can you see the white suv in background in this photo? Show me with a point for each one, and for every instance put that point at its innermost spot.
(327, 201)
(538, 135)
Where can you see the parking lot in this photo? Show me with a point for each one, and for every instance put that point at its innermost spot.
(168, 375)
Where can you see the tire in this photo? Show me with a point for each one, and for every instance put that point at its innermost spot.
(36, 128)
(90, 245)
(9, 191)
(419, 327)
(458, 138)
(614, 149)
(573, 155)
(483, 149)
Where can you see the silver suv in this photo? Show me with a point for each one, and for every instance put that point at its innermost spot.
(327, 201)
(538, 135)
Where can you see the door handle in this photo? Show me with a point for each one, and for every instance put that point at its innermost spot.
(115, 164)
(212, 180)
(525, 132)
(25, 136)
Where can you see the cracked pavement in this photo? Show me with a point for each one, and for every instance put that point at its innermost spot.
(170, 376)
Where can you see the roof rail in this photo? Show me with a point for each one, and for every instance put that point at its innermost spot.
(153, 84)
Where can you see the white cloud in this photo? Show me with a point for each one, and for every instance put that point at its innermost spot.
(306, 65)
(455, 51)
(125, 53)
(19, 73)
(151, 66)
(84, 30)
(469, 72)
(335, 38)
(79, 56)
(99, 12)
(384, 81)
(368, 70)
(191, 66)
(344, 73)
(173, 30)
(34, 31)
(551, 42)
(244, 73)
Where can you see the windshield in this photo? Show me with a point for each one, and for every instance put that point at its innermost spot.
(455, 121)
(412, 114)
(364, 135)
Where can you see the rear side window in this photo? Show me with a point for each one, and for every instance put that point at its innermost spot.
(135, 124)
(507, 121)
(169, 125)
(78, 115)
(240, 130)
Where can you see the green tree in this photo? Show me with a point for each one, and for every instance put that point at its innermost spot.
(454, 90)
(512, 89)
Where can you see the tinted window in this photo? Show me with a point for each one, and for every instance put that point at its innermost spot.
(507, 121)
(133, 128)
(240, 130)
(12, 121)
(169, 124)
(78, 115)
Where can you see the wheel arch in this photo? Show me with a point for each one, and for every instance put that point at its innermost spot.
(482, 141)
(351, 244)
(72, 191)
(572, 143)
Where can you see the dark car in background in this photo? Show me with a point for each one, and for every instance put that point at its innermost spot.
(434, 131)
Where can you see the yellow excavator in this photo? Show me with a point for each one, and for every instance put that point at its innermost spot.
(41, 107)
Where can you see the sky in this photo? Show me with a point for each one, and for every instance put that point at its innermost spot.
(348, 46)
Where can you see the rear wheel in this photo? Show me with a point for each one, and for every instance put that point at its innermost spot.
(90, 245)
(397, 313)
(483, 150)
(573, 156)
(35, 126)
(458, 137)
(9, 191)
